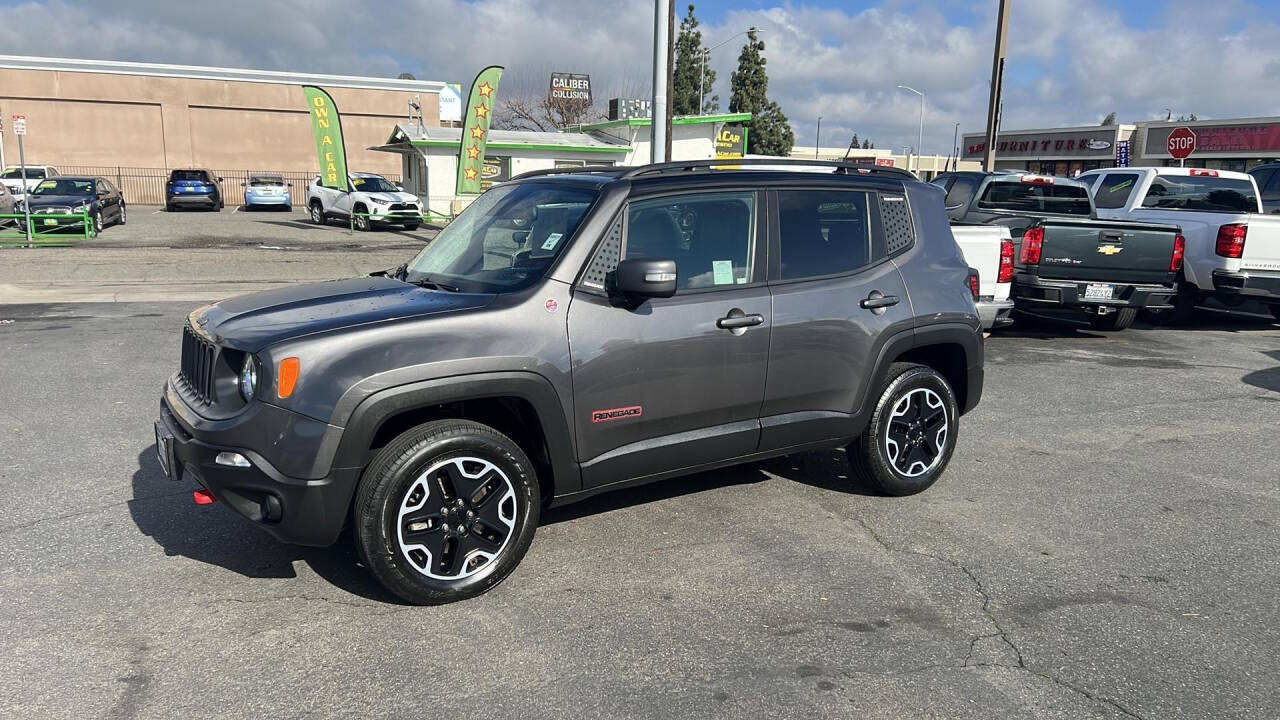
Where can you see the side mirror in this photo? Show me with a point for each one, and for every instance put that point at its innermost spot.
(643, 278)
(289, 184)
(219, 179)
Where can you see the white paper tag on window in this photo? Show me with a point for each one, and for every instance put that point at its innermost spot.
(552, 240)
(722, 272)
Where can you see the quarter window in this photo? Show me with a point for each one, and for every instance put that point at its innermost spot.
(823, 232)
(711, 236)
(961, 193)
(1114, 190)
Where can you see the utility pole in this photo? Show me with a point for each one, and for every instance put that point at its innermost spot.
(658, 138)
(997, 86)
(817, 140)
(671, 75)
(955, 146)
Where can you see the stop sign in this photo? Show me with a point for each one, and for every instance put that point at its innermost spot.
(1182, 142)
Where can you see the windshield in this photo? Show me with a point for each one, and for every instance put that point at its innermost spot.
(1031, 197)
(15, 173)
(373, 184)
(189, 175)
(1211, 194)
(266, 181)
(505, 240)
(64, 186)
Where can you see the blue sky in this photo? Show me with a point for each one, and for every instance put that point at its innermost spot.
(1070, 61)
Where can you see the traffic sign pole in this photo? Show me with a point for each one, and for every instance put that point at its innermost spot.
(26, 191)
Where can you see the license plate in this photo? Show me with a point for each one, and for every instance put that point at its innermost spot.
(164, 452)
(50, 221)
(1099, 291)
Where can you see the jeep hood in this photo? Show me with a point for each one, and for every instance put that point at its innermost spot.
(252, 322)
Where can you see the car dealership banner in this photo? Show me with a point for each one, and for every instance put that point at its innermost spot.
(731, 142)
(477, 114)
(329, 144)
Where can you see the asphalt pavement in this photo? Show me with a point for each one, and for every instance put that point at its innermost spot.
(1104, 545)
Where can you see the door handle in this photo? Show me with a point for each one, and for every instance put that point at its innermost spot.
(738, 320)
(878, 301)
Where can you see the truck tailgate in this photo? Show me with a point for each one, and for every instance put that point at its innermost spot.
(980, 245)
(1110, 251)
(1262, 244)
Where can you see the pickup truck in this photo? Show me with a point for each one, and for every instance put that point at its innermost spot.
(1233, 246)
(989, 250)
(13, 174)
(1066, 257)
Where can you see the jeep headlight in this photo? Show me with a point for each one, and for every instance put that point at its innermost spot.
(248, 378)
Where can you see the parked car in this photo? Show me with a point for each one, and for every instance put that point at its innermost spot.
(373, 200)
(1066, 257)
(68, 195)
(193, 187)
(8, 206)
(573, 332)
(13, 174)
(989, 250)
(1267, 178)
(1233, 248)
(268, 191)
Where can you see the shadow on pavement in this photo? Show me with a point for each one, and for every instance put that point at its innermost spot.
(822, 469)
(1268, 379)
(218, 536)
(1038, 326)
(654, 492)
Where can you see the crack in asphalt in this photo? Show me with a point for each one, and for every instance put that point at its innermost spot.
(1000, 631)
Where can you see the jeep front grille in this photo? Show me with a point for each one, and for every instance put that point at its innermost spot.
(198, 356)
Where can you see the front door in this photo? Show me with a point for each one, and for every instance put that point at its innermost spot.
(673, 383)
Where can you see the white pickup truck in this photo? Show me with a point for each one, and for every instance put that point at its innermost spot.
(13, 174)
(1232, 248)
(989, 250)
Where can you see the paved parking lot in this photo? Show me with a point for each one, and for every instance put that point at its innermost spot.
(1105, 544)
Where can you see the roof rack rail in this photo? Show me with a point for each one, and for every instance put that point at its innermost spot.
(567, 171)
(841, 167)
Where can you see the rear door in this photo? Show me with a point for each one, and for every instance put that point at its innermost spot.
(662, 386)
(829, 258)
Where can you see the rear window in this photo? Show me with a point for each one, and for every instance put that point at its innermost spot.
(15, 173)
(1028, 197)
(266, 180)
(1114, 190)
(196, 175)
(1210, 194)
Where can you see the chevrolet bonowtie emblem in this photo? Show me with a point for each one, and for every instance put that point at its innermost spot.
(1109, 249)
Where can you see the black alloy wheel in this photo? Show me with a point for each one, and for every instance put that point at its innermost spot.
(912, 432)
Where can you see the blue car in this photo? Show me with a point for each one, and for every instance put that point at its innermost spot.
(193, 188)
(268, 191)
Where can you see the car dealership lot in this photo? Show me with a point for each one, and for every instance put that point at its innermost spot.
(1104, 544)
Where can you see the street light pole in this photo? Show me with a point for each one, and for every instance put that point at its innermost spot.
(658, 136)
(817, 140)
(706, 53)
(919, 139)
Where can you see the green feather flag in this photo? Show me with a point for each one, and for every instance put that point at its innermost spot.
(477, 114)
(329, 143)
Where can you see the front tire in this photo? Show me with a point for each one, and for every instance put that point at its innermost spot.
(912, 432)
(446, 511)
(98, 225)
(1118, 320)
(411, 226)
(361, 220)
(124, 214)
(317, 213)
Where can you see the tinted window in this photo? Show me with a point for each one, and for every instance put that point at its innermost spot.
(823, 233)
(1211, 194)
(15, 173)
(266, 180)
(1033, 197)
(1273, 183)
(961, 193)
(189, 175)
(1114, 190)
(64, 186)
(711, 236)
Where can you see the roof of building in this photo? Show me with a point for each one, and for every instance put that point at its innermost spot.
(679, 120)
(19, 62)
(500, 140)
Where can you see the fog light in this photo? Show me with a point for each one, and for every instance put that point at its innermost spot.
(231, 459)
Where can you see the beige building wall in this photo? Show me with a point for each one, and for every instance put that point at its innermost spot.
(108, 119)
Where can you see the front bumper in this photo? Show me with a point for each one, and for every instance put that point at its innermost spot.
(294, 510)
(995, 313)
(1033, 290)
(1260, 285)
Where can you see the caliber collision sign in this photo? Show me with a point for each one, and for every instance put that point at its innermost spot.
(570, 86)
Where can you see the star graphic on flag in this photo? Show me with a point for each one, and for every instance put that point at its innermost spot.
(477, 132)
(473, 152)
(486, 90)
(482, 110)
(470, 173)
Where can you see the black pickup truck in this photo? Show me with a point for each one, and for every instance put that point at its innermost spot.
(1066, 257)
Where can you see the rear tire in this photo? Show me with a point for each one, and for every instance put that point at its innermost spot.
(446, 511)
(912, 433)
(317, 212)
(1118, 320)
(411, 226)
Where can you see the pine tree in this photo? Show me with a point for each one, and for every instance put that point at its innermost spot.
(770, 134)
(867, 145)
(854, 142)
(1110, 119)
(693, 78)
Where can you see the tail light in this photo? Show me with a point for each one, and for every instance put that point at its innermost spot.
(1231, 240)
(1179, 251)
(1006, 262)
(1032, 245)
(974, 284)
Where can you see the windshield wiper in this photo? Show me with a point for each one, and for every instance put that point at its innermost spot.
(426, 281)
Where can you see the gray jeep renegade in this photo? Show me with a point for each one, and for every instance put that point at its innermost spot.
(573, 332)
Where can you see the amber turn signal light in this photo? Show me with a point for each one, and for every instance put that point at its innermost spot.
(287, 378)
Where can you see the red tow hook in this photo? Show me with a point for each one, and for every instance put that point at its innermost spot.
(204, 497)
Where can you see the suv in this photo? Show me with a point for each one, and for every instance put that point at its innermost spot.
(576, 331)
(371, 200)
(193, 187)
